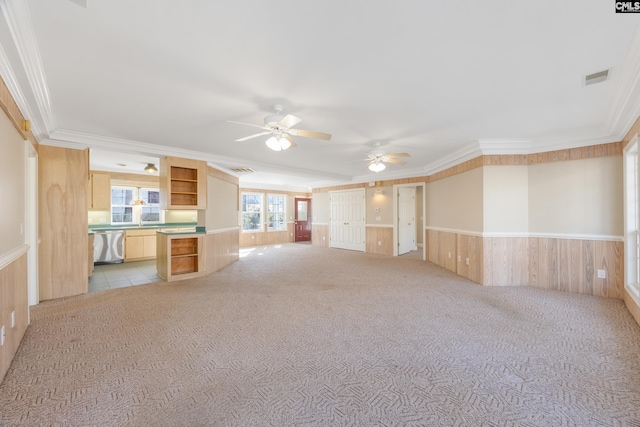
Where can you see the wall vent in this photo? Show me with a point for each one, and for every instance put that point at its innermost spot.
(594, 78)
(242, 170)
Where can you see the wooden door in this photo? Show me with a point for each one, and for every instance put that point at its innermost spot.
(302, 220)
(406, 220)
(347, 220)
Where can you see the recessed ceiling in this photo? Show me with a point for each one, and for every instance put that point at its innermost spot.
(437, 80)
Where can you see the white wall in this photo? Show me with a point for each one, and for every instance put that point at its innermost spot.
(321, 208)
(506, 199)
(222, 204)
(582, 197)
(456, 202)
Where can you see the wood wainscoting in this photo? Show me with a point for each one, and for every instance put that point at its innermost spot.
(13, 298)
(267, 237)
(320, 235)
(572, 265)
(221, 248)
(379, 240)
(569, 265)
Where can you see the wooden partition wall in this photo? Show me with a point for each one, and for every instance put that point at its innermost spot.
(221, 248)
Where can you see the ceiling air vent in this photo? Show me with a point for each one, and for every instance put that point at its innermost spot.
(242, 170)
(598, 77)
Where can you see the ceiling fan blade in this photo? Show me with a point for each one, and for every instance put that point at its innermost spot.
(289, 121)
(254, 136)
(372, 162)
(393, 155)
(293, 143)
(248, 124)
(310, 134)
(395, 162)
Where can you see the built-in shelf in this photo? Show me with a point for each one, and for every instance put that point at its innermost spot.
(182, 183)
(180, 255)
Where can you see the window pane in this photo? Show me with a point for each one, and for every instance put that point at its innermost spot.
(150, 196)
(121, 196)
(251, 221)
(302, 210)
(149, 213)
(276, 212)
(121, 214)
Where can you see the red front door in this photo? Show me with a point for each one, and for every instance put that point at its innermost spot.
(303, 220)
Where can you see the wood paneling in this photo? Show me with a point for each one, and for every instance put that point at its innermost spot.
(469, 250)
(62, 212)
(267, 237)
(441, 249)
(13, 297)
(572, 265)
(320, 235)
(384, 235)
(505, 261)
(222, 248)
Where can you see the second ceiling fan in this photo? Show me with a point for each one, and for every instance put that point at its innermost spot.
(378, 157)
(281, 129)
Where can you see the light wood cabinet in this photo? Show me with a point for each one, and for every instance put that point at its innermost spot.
(99, 193)
(139, 245)
(183, 183)
(180, 256)
(90, 259)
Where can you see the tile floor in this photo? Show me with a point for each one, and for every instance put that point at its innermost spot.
(112, 276)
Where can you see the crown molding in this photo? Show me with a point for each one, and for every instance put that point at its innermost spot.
(468, 152)
(625, 108)
(10, 80)
(16, 14)
(78, 140)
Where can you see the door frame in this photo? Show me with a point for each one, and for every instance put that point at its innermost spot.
(395, 215)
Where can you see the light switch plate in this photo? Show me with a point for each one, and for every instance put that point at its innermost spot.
(602, 274)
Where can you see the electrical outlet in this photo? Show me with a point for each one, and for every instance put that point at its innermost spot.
(2, 336)
(449, 254)
(459, 258)
(467, 261)
(602, 274)
(379, 242)
(322, 237)
(253, 237)
(13, 319)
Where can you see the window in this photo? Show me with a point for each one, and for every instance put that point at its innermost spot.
(130, 205)
(251, 212)
(276, 211)
(121, 208)
(632, 219)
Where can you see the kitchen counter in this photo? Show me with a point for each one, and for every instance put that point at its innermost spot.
(175, 232)
(109, 227)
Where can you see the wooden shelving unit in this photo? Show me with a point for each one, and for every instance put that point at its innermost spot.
(183, 183)
(180, 256)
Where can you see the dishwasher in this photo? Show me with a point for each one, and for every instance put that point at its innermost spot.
(108, 247)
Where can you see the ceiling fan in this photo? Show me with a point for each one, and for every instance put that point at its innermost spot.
(378, 157)
(281, 129)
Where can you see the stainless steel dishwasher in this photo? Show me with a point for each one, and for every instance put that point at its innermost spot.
(108, 247)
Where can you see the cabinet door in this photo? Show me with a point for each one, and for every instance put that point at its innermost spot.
(101, 191)
(133, 247)
(149, 246)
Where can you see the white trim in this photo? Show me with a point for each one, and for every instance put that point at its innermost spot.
(17, 16)
(9, 257)
(565, 236)
(223, 230)
(578, 236)
(634, 292)
(469, 152)
(625, 107)
(319, 223)
(379, 225)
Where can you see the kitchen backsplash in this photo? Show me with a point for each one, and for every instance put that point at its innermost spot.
(170, 216)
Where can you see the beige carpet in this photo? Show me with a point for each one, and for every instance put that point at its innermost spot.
(304, 336)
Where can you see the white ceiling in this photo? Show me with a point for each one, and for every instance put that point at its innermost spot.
(140, 79)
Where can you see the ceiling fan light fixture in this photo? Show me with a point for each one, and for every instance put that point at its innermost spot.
(377, 166)
(151, 168)
(278, 143)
